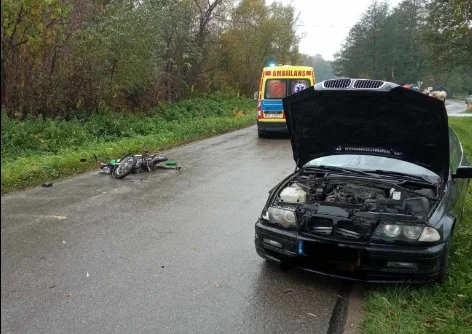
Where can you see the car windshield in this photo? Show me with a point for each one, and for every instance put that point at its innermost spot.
(372, 163)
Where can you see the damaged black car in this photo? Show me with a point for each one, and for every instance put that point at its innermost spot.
(379, 185)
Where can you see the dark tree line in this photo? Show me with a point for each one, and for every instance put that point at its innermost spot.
(59, 55)
(426, 40)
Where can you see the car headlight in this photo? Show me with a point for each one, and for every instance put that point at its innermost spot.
(412, 232)
(391, 231)
(284, 217)
(408, 233)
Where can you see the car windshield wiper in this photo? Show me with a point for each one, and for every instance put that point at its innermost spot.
(410, 176)
(340, 169)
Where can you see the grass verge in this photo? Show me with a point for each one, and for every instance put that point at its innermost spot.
(459, 97)
(33, 167)
(431, 308)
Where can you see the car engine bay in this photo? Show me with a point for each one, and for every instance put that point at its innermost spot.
(359, 195)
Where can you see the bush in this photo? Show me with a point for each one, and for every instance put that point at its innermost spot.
(38, 150)
(23, 138)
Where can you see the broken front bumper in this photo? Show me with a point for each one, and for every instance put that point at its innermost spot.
(366, 262)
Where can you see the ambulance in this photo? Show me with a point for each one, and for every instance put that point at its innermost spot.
(276, 83)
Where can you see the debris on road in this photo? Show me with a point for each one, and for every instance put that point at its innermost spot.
(47, 184)
(135, 163)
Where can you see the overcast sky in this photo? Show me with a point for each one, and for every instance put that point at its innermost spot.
(326, 23)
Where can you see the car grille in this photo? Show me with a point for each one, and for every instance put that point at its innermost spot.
(348, 230)
(337, 83)
(333, 229)
(319, 225)
(368, 83)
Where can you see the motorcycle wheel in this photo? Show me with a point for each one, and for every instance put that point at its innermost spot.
(124, 166)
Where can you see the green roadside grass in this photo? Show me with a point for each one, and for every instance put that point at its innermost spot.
(46, 150)
(425, 309)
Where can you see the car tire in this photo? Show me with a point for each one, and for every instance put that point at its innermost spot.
(261, 134)
(443, 270)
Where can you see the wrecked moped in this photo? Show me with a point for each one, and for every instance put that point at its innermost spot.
(135, 163)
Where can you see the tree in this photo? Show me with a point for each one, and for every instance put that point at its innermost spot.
(59, 55)
(407, 59)
(256, 34)
(430, 42)
(31, 38)
(448, 33)
(447, 36)
(323, 68)
(364, 51)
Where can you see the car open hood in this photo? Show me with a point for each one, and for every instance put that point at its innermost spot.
(390, 122)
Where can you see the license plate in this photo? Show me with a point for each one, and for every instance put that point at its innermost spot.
(346, 258)
(278, 115)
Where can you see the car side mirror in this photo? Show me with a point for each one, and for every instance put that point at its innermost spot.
(464, 172)
(256, 95)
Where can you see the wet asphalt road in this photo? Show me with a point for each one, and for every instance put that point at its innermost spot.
(171, 252)
(457, 108)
